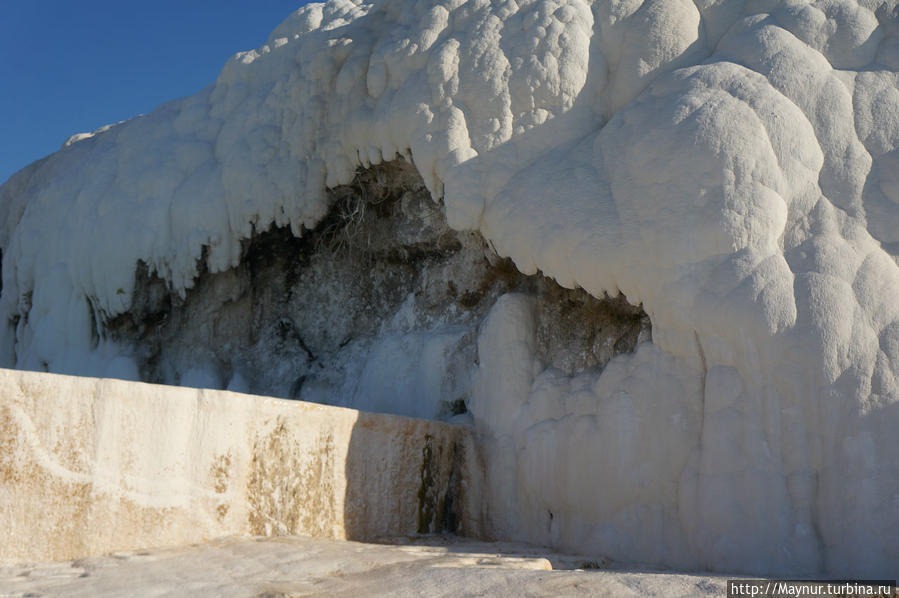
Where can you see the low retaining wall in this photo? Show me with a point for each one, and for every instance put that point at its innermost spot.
(89, 466)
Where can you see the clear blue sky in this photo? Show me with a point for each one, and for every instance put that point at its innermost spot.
(70, 66)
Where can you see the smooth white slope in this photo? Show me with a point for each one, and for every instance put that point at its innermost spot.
(730, 164)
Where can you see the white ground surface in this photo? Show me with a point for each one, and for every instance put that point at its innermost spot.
(299, 566)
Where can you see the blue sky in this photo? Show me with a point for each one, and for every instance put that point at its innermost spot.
(69, 66)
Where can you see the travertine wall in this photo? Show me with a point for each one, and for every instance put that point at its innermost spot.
(89, 466)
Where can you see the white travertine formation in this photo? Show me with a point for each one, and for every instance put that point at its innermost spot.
(90, 466)
(730, 165)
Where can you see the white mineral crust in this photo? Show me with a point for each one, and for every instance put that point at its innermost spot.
(733, 165)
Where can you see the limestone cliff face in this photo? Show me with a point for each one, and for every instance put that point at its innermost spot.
(729, 167)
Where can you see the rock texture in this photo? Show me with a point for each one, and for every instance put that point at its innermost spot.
(90, 466)
(730, 166)
(377, 308)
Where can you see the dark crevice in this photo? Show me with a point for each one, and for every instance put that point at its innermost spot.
(297, 312)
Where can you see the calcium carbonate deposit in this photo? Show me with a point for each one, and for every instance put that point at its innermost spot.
(694, 361)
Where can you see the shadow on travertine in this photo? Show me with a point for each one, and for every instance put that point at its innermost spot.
(425, 480)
